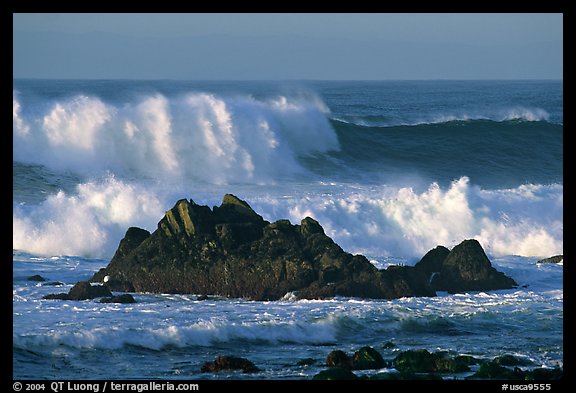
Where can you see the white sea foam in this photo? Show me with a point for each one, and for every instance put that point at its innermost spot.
(405, 222)
(201, 333)
(89, 222)
(198, 136)
(384, 221)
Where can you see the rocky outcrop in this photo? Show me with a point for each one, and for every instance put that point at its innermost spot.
(232, 251)
(465, 268)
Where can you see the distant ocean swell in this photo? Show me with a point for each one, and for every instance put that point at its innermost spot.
(236, 139)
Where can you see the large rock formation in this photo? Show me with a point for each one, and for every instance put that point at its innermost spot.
(232, 251)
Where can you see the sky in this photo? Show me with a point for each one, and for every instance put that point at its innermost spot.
(284, 46)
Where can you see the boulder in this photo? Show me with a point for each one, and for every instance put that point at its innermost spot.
(232, 251)
(229, 363)
(415, 361)
(53, 284)
(367, 358)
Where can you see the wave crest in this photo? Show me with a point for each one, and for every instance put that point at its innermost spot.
(198, 136)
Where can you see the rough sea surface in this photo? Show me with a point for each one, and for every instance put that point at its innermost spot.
(389, 169)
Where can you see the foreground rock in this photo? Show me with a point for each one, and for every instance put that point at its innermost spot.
(232, 251)
(366, 358)
(421, 364)
(229, 363)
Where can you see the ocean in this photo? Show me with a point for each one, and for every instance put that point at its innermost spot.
(390, 169)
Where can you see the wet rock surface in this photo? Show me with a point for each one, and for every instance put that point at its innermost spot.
(232, 251)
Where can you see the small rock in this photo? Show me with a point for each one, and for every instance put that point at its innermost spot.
(53, 284)
(509, 360)
(56, 296)
(84, 290)
(367, 358)
(225, 363)
(36, 277)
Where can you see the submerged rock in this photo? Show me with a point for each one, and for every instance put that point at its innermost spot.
(122, 299)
